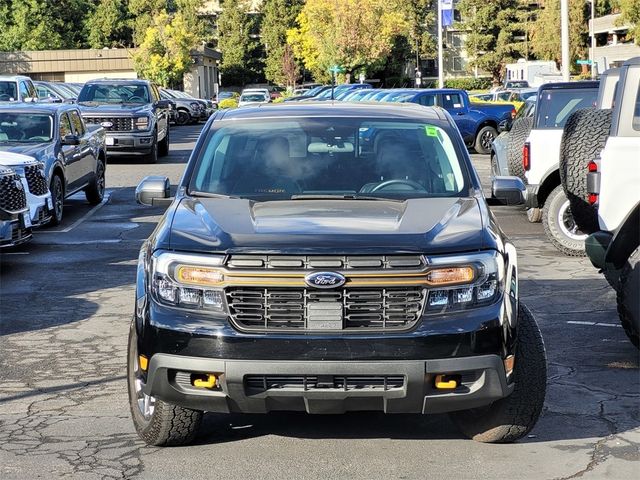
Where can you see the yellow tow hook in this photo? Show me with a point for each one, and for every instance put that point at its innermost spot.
(208, 382)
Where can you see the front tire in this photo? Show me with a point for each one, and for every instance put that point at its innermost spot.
(511, 418)
(628, 298)
(183, 117)
(158, 423)
(95, 191)
(559, 225)
(57, 195)
(484, 139)
(152, 156)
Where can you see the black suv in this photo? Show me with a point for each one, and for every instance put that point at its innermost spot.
(133, 114)
(329, 258)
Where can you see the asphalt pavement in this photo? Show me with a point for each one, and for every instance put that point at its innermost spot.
(66, 301)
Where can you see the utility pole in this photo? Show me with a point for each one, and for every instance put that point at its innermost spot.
(440, 49)
(592, 52)
(564, 30)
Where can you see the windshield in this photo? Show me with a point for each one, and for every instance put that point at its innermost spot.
(8, 91)
(253, 97)
(337, 157)
(25, 127)
(555, 106)
(103, 93)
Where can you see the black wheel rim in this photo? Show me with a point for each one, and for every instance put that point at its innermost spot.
(58, 198)
(486, 139)
(100, 183)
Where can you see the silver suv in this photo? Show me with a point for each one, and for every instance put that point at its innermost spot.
(17, 88)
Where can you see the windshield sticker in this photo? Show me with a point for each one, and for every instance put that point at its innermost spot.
(431, 131)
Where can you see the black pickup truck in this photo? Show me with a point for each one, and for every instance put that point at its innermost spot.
(327, 258)
(133, 114)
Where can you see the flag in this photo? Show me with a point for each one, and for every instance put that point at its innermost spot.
(447, 12)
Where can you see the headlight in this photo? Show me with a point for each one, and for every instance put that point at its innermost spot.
(142, 123)
(467, 281)
(188, 281)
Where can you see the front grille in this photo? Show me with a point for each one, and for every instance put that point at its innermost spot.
(36, 180)
(262, 383)
(120, 124)
(310, 262)
(262, 309)
(12, 196)
(18, 233)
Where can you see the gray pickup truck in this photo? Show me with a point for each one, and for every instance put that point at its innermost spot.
(132, 112)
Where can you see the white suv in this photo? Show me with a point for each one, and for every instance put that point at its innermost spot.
(613, 183)
(17, 88)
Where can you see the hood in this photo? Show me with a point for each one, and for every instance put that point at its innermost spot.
(32, 150)
(435, 225)
(117, 109)
(11, 159)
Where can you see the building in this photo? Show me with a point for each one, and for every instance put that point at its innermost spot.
(613, 42)
(82, 65)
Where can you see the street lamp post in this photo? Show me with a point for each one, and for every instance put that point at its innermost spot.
(564, 35)
(592, 50)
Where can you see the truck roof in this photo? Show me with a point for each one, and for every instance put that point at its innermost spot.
(571, 85)
(337, 109)
(128, 81)
(633, 61)
(47, 108)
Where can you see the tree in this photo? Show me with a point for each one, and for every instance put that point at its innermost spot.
(630, 10)
(491, 27)
(545, 32)
(165, 53)
(278, 17)
(41, 24)
(142, 13)
(356, 34)
(290, 68)
(421, 15)
(109, 25)
(241, 54)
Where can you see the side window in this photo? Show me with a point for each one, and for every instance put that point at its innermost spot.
(24, 91)
(32, 90)
(65, 125)
(427, 100)
(155, 94)
(636, 114)
(78, 126)
(42, 92)
(451, 101)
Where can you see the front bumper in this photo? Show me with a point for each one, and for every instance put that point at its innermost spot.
(40, 208)
(532, 196)
(13, 233)
(483, 381)
(129, 143)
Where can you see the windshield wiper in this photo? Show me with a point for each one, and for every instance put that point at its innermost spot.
(343, 197)
(210, 195)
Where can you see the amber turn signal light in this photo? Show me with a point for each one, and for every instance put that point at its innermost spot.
(199, 275)
(451, 275)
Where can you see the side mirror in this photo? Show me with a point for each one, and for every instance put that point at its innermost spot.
(163, 104)
(154, 190)
(509, 190)
(71, 140)
(504, 126)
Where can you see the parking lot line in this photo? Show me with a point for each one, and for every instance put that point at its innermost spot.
(594, 324)
(107, 196)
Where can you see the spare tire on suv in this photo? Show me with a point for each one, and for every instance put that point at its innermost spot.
(517, 135)
(584, 136)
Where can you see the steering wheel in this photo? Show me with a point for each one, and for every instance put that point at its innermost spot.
(387, 183)
(4, 97)
(135, 98)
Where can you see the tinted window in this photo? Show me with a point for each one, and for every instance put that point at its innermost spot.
(25, 127)
(636, 114)
(555, 106)
(65, 126)
(277, 159)
(8, 91)
(32, 90)
(43, 92)
(24, 90)
(451, 101)
(114, 93)
(76, 121)
(427, 100)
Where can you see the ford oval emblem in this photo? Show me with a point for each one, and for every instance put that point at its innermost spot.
(325, 280)
(106, 124)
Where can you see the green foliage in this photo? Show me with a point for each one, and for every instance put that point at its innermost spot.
(41, 24)
(422, 17)
(108, 25)
(356, 34)
(630, 10)
(278, 17)
(492, 27)
(241, 57)
(545, 32)
(469, 83)
(164, 55)
(228, 103)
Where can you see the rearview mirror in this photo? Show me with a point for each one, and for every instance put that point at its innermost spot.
(504, 126)
(71, 140)
(154, 190)
(163, 104)
(509, 190)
